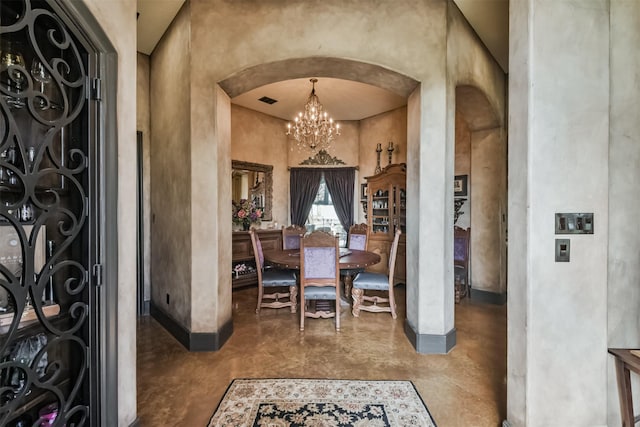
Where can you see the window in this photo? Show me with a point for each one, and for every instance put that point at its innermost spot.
(323, 215)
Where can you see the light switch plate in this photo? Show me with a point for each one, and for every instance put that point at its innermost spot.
(563, 250)
(574, 223)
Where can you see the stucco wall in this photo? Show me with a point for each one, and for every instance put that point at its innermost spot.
(259, 138)
(171, 171)
(469, 64)
(487, 190)
(345, 147)
(518, 221)
(558, 162)
(484, 109)
(463, 166)
(143, 124)
(623, 292)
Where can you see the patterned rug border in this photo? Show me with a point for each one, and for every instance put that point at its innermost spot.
(234, 380)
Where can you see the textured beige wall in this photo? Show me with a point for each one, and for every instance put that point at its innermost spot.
(171, 172)
(623, 292)
(344, 148)
(211, 217)
(259, 138)
(143, 124)
(480, 92)
(463, 165)
(469, 64)
(559, 153)
(118, 20)
(463, 146)
(487, 190)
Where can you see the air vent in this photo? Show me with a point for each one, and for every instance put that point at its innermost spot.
(268, 100)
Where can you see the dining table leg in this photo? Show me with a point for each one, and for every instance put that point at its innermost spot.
(348, 282)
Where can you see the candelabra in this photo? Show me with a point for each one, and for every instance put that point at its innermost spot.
(378, 150)
(390, 150)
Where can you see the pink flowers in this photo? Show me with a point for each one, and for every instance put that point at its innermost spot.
(246, 212)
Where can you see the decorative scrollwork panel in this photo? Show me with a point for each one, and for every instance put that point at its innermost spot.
(44, 232)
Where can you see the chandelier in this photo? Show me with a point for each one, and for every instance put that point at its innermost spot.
(313, 129)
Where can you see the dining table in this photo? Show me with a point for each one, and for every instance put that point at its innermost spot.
(352, 261)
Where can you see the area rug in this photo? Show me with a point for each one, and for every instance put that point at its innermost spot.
(320, 403)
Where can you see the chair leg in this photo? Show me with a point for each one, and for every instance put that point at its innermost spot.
(260, 293)
(348, 283)
(392, 303)
(303, 309)
(293, 297)
(356, 295)
(338, 313)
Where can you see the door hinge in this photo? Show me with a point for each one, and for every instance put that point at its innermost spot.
(95, 89)
(97, 273)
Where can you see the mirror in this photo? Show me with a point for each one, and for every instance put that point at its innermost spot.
(252, 181)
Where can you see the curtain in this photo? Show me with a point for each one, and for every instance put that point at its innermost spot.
(303, 186)
(340, 182)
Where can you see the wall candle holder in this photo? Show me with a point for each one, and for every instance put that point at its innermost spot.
(390, 151)
(378, 150)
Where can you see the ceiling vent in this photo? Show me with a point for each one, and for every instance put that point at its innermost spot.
(268, 100)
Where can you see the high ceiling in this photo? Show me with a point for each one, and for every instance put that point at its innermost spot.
(342, 99)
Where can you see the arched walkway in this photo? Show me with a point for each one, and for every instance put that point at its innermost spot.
(339, 68)
(482, 142)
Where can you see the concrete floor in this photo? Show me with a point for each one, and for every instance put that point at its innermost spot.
(466, 387)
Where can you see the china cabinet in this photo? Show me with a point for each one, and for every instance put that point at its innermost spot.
(243, 268)
(57, 234)
(386, 211)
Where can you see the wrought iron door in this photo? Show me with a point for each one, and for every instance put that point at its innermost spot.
(49, 260)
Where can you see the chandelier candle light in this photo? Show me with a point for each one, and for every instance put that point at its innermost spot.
(313, 129)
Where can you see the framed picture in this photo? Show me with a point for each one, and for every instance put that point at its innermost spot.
(363, 191)
(460, 185)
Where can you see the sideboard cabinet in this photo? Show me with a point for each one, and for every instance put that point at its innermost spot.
(243, 266)
(386, 211)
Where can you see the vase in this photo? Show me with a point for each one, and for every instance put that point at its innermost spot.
(245, 226)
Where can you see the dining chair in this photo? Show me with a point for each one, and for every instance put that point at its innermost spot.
(358, 237)
(461, 262)
(319, 277)
(378, 283)
(291, 236)
(274, 279)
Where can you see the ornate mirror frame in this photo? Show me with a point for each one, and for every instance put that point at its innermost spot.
(268, 182)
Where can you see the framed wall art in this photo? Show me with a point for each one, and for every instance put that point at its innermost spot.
(460, 186)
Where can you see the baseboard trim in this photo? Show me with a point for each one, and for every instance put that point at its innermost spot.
(488, 297)
(146, 308)
(193, 341)
(429, 343)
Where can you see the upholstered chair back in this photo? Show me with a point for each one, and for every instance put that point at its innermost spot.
(291, 236)
(319, 276)
(359, 237)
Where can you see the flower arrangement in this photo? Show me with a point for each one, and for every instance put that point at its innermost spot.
(239, 269)
(246, 212)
